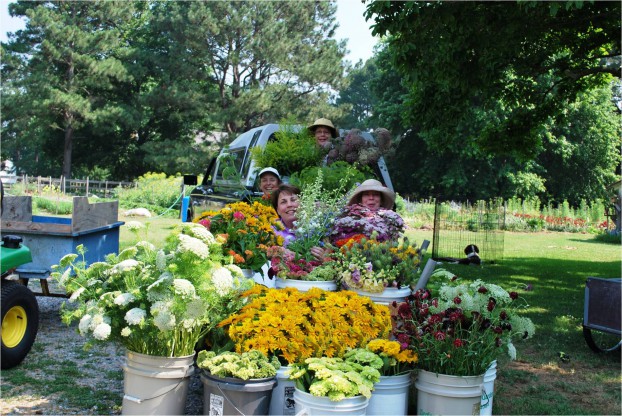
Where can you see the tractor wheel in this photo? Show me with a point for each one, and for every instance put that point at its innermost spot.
(20, 323)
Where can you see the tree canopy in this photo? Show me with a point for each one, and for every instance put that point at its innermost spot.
(522, 61)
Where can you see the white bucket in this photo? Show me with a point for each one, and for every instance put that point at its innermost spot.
(305, 285)
(390, 396)
(155, 385)
(387, 296)
(441, 394)
(489, 388)
(308, 404)
(282, 402)
(234, 396)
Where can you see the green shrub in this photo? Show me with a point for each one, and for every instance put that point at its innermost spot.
(291, 151)
(332, 176)
(154, 191)
(57, 207)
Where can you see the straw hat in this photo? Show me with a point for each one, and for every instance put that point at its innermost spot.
(270, 170)
(324, 122)
(388, 196)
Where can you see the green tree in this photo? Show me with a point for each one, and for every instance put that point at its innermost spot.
(71, 60)
(521, 60)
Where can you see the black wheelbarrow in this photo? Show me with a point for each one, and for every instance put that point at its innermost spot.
(602, 314)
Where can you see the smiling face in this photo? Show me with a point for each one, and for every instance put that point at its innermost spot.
(322, 136)
(287, 204)
(371, 199)
(268, 183)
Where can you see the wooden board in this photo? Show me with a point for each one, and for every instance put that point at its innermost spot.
(89, 216)
(17, 208)
(34, 227)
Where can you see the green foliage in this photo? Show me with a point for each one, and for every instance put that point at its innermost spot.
(56, 207)
(335, 176)
(292, 151)
(154, 191)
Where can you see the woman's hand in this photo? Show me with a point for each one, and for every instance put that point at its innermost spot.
(318, 252)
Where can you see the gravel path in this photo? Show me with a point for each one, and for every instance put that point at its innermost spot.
(99, 368)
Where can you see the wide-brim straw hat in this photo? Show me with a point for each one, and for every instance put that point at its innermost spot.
(324, 122)
(388, 196)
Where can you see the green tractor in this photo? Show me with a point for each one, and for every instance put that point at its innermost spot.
(20, 310)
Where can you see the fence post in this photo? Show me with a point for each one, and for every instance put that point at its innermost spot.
(87, 186)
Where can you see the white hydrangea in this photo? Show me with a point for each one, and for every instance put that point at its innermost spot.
(125, 266)
(85, 324)
(75, 295)
(124, 299)
(192, 245)
(184, 287)
(164, 320)
(222, 280)
(102, 331)
(202, 233)
(134, 225)
(96, 320)
(135, 316)
(126, 332)
(235, 270)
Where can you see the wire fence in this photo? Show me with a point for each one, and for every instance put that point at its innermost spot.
(66, 186)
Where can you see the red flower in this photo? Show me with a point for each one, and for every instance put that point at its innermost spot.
(513, 295)
(458, 343)
(238, 216)
(205, 223)
(457, 300)
(439, 336)
(482, 289)
(503, 315)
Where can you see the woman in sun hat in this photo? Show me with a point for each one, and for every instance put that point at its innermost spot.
(323, 130)
(373, 195)
(368, 214)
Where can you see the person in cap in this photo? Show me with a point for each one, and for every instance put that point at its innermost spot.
(373, 195)
(323, 130)
(269, 180)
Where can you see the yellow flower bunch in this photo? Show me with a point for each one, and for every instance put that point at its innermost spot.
(397, 360)
(294, 325)
(246, 230)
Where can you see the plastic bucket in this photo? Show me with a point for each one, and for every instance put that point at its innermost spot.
(387, 296)
(308, 404)
(234, 396)
(305, 285)
(282, 402)
(155, 385)
(489, 388)
(441, 394)
(390, 396)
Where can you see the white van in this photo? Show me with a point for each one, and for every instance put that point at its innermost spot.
(216, 191)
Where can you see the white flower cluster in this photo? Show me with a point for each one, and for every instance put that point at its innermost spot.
(222, 280)
(97, 324)
(193, 245)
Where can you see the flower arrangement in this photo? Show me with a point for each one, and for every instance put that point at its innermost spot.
(285, 265)
(338, 378)
(246, 230)
(372, 266)
(396, 358)
(357, 220)
(461, 331)
(153, 301)
(315, 216)
(355, 149)
(294, 326)
(247, 365)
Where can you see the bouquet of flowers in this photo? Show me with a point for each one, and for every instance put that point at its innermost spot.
(285, 265)
(338, 378)
(246, 231)
(356, 221)
(294, 326)
(396, 358)
(372, 266)
(462, 331)
(247, 365)
(314, 217)
(153, 301)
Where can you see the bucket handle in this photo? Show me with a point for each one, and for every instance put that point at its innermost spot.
(139, 400)
(230, 402)
(303, 412)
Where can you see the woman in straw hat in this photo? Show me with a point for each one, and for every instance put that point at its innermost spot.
(368, 214)
(323, 130)
(373, 195)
